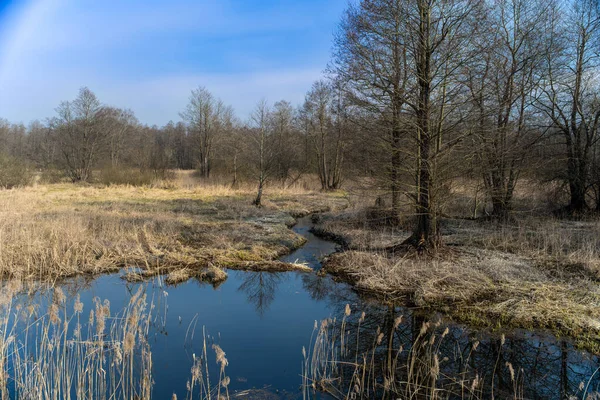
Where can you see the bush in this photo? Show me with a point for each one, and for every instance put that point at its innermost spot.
(165, 174)
(52, 175)
(14, 173)
(126, 176)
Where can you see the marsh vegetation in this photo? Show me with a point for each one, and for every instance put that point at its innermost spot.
(448, 165)
(59, 230)
(106, 338)
(532, 273)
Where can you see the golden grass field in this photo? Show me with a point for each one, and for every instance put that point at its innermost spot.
(182, 229)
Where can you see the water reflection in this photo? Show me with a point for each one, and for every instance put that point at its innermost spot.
(259, 288)
(404, 346)
(409, 354)
(321, 288)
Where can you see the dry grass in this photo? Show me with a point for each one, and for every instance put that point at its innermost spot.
(356, 229)
(67, 349)
(481, 287)
(535, 273)
(55, 231)
(211, 274)
(63, 354)
(467, 198)
(572, 245)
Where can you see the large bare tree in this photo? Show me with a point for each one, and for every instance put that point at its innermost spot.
(401, 59)
(571, 90)
(206, 117)
(503, 85)
(80, 134)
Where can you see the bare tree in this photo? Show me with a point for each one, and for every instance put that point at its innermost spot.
(326, 133)
(371, 58)
(79, 133)
(400, 60)
(282, 121)
(206, 116)
(119, 125)
(340, 111)
(261, 151)
(571, 91)
(503, 84)
(42, 148)
(180, 144)
(441, 31)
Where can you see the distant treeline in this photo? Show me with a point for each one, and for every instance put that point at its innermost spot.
(417, 94)
(86, 138)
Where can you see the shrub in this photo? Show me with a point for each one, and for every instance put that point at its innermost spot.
(14, 173)
(126, 176)
(52, 175)
(165, 174)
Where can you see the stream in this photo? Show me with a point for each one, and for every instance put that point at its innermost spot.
(263, 320)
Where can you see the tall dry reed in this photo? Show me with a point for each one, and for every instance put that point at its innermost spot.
(60, 355)
(349, 358)
(54, 351)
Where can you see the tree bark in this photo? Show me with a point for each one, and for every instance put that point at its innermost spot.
(422, 234)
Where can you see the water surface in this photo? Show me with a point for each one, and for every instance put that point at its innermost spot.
(263, 320)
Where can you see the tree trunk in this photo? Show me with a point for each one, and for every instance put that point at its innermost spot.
(577, 203)
(258, 200)
(234, 183)
(395, 173)
(501, 208)
(422, 235)
(576, 173)
(501, 191)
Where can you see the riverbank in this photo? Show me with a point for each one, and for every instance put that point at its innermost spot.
(538, 273)
(50, 232)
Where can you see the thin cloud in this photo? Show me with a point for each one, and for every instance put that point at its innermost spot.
(149, 55)
(160, 99)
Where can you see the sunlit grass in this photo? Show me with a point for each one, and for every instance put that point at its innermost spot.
(532, 272)
(60, 230)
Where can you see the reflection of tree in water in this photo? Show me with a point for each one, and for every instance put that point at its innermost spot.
(410, 355)
(319, 288)
(259, 288)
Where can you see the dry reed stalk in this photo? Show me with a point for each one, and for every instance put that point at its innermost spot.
(57, 355)
(410, 370)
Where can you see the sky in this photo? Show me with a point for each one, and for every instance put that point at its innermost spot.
(147, 55)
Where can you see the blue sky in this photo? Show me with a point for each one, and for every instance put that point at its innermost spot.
(148, 55)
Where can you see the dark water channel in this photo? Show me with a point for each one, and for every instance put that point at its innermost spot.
(263, 320)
